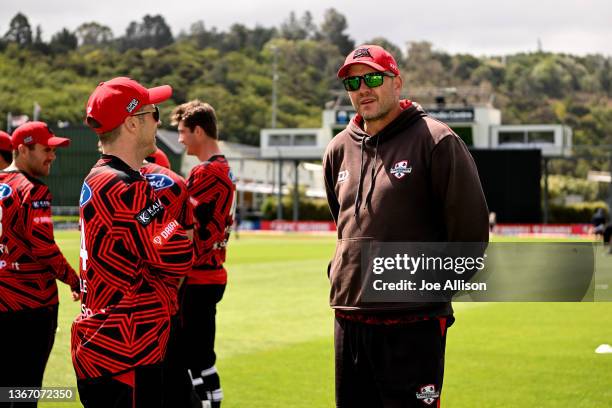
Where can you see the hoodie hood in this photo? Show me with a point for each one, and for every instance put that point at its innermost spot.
(356, 124)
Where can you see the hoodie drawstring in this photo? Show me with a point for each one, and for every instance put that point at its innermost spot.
(361, 174)
(360, 185)
(372, 173)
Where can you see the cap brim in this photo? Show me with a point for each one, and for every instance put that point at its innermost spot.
(342, 72)
(55, 141)
(160, 93)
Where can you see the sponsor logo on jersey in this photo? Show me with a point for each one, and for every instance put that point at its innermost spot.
(5, 191)
(42, 220)
(147, 215)
(400, 169)
(85, 195)
(343, 176)
(41, 204)
(168, 230)
(428, 394)
(159, 181)
(231, 176)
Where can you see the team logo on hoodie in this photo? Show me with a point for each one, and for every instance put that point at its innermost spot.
(428, 394)
(343, 176)
(400, 169)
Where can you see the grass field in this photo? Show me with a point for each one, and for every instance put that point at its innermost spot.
(274, 340)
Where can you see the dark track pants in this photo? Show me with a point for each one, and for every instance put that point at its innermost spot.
(141, 387)
(25, 345)
(389, 366)
(192, 348)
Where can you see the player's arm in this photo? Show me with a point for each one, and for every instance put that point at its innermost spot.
(332, 200)
(155, 236)
(186, 216)
(210, 195)
(456, 184)
(39, 230)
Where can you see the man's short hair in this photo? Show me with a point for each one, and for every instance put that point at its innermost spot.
(16, 151)
(107, 137)
(196, 113)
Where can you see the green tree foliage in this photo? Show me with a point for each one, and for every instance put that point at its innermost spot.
(152, 32)
(333, 31)
(232, 69)
(298, 29)
(20, 31)
(94, 34)
(63, 41)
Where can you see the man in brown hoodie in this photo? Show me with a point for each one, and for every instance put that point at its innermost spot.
(393, 175)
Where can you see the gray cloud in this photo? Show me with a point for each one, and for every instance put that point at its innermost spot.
(476, 26)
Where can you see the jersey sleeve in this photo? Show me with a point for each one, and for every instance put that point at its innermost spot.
(455, 182)
(36, 209)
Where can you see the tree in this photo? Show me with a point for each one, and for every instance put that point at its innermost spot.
(332, 30)
(298, 29)
(93, 34)
(63, 41)
(38, 44)
(153, 32)
(20, 31)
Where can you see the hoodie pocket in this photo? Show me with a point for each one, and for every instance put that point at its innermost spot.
(345, 273)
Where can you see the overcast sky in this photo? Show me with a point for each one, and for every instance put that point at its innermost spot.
(479, 27)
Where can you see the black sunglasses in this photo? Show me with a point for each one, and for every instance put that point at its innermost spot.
(154, 112)
(372, 80)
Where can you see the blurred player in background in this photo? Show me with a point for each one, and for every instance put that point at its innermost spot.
(6, 150)
(133, 256)
(30, 260)
(171, 189)
(212, 190)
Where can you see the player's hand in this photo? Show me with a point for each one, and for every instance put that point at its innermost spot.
(76, 296)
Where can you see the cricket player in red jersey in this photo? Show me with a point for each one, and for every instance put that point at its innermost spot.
(30, 261)
(170, 188)
(172, 191)
(133, 256)
(6, 150)
(212, 190)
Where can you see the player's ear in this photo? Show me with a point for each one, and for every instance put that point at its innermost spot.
(130, 124)
(398, 83)
(22, 149)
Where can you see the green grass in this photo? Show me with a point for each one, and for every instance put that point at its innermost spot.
(274, 340)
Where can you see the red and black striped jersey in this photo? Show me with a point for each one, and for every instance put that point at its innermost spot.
(30, 260)
(172, 191)
(133, 255)
(212, 191)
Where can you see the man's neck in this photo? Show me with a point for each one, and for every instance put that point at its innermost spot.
(375, 126)
(208, 149)
(16, 166)
(132, 158)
